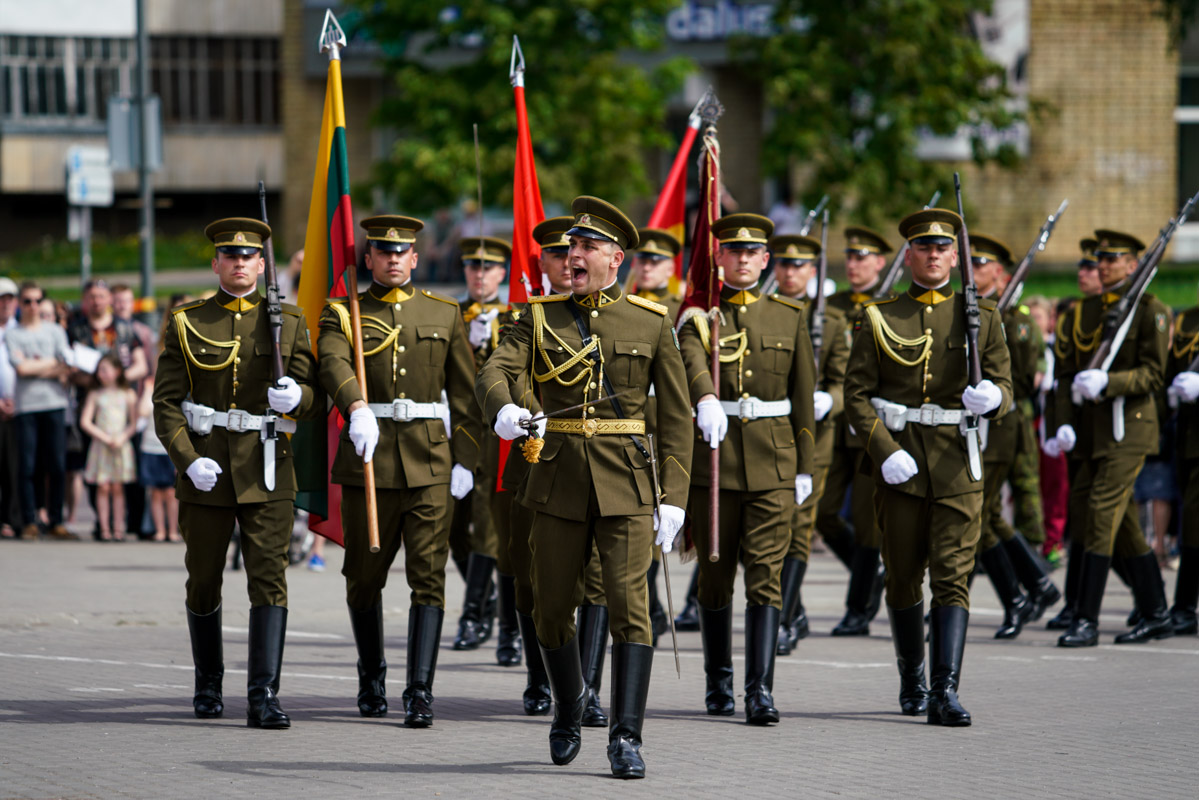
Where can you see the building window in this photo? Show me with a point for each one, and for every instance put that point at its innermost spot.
(48, 79)
(211, 81)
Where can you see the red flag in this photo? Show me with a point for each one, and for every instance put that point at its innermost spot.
(671, 209)
(703, 292)
(527, 212)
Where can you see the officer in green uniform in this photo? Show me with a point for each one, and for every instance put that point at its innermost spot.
(763, 404)
(1184, 391)
(860, 548)
(795, 273)
(415, 347)
(592, 482)
(1004, 553)
(220, 417)
(1111, 429)
(484, 260)
(907, 397)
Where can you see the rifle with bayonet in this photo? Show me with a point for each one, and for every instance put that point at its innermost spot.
(974, 324)
(1015, 287)
(274, 313)
(816, 325)
(771, 283)
(891, 276)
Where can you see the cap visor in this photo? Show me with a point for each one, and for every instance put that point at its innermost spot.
(932, 240)
(390, 247)
(232, 250)
(743, 245)
(590, 234)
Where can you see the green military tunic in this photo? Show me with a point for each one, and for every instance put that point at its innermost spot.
(1183, 350)
(592, 482)
(911, 350)
(217, 353)
(846, 471)
(1012, 452)
(414, 346)
(1102, 483)
(765, 354)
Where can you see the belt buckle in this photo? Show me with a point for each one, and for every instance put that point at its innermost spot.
(590, 428)
(400, 410)
(928, 415)
(748, 408)
(237, 420)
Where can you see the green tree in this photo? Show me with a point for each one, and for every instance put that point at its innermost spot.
(852, 85)
(592, 111)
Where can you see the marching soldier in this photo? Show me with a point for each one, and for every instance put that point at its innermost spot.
(484, 259)
(592, 482)
(219, 414)
(768, 375)
(907, 397)
(1111, 432)
(415, 346)
(1184, 387)
(794, 268)
(865, 259)
(1005, 553)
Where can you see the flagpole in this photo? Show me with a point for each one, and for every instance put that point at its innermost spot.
(332, 40)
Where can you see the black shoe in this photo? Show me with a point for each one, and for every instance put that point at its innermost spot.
(1134, 618)
(1033, 575)
(205, 631)
(1016, 608)
(631, 665)
(907, 634)
(424, 637)
(593, 645)
(761, 635)
(1084, 629)
(1061, 622)
(947, 644)
(1150, 591)
(1186, 593)
(688, 618)
(268, 629)
(537, 699)
(800, 628)
(508, 645)
(862, 577)
(566, 678)
(717, 634)
(478, 586)
(793, 570)
(372, 667)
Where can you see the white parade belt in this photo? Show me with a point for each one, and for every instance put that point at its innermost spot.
(202, 419)
(896, 417)
(752, 408)
(406, 410)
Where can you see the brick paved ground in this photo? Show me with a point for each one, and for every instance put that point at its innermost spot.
(95, 686)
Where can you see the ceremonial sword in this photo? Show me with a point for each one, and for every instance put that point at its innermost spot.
(530, 424)
(674, 639)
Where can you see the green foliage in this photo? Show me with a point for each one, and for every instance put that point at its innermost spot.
(852, 88)
(592, 114)
(110, 255)
(1180, 14)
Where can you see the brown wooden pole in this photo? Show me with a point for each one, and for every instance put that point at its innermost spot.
(714, 463)
(368, 467)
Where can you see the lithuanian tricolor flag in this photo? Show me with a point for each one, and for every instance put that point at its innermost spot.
(328, 251)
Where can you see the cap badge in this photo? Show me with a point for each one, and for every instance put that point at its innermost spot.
(935, 228)
(240, 237)
(743, 233)
(392, 233)
(584, 219)
(792, 250)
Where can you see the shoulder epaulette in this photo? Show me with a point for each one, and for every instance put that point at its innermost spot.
(787, 301)
(987, 303)
(188, 306)
(549, 298)
(336, 300)
(880, 301)
(293, 310)
(442, 298)
(657, 308)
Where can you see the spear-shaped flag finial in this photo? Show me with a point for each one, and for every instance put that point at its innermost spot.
(516, 67)
(709, 108)
(333, 38)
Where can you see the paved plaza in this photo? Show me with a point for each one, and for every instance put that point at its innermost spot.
(96, 678)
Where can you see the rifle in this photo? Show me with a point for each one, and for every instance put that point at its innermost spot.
(816, 327)
(274, 313)
(891, 276)
(1015, 287)
(771, 283)
(973, 326)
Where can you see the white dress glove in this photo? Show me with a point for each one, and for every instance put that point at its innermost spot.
(507, 422)
(480, 328)
(1051, 448)
(462, 480)
(823, 403)
(982, 398)
(364, 433)
(712, 421)
(203, 472)
(285, 395)
(1186, 386)
(803, 488)
(668, 526)
(1090, 383)
(899, 467)
(1066, 438)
